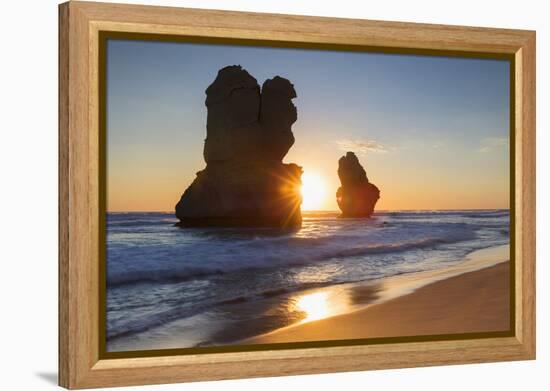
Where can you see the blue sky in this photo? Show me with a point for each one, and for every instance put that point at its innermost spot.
(432, 132)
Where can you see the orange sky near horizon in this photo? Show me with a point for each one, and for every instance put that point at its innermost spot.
(421, 184)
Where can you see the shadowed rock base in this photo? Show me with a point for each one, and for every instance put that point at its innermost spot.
(356, 197)
(243, 196)
(245, 183)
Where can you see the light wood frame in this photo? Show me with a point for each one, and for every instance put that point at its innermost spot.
(80, 24)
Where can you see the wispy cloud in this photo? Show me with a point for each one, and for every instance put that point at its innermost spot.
(361, 146)
(493, 143)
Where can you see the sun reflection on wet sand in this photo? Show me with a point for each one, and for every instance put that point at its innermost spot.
(314, 305)
(336, 300)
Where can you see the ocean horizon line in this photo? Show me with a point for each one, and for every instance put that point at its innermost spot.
(336, 211)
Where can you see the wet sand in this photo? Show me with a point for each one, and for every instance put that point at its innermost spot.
(473, 301)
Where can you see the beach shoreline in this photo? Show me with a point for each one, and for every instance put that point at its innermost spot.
(204, 290)
(471, 297)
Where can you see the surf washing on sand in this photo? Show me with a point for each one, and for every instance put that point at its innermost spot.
(273, 232)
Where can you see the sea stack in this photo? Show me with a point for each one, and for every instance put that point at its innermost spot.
(248, 133)
(357, 196)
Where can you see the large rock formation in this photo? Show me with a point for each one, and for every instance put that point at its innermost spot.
(357, 196)
(248, 132)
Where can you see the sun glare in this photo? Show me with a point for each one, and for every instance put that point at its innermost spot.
(313, 191)
(314, 305)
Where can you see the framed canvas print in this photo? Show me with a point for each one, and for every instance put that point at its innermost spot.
(251, 195)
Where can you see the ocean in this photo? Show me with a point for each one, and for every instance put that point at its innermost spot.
(170, 287)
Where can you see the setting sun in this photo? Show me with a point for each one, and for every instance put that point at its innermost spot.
(313, 191)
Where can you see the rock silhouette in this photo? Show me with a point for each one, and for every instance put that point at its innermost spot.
(357, 196)
(248, 132)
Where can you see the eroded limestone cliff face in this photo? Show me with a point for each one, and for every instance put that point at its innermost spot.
(357, 196)
(248, 132)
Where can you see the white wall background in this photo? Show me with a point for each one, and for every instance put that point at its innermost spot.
(28, 195)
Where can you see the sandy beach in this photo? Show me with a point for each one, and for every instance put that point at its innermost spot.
(475, 301)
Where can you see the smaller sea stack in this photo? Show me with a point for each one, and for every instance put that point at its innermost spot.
(357, 196)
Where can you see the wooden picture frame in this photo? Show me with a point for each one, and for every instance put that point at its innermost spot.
(81, 24)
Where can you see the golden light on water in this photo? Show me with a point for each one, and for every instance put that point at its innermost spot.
(313, 191)
(314, 305)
